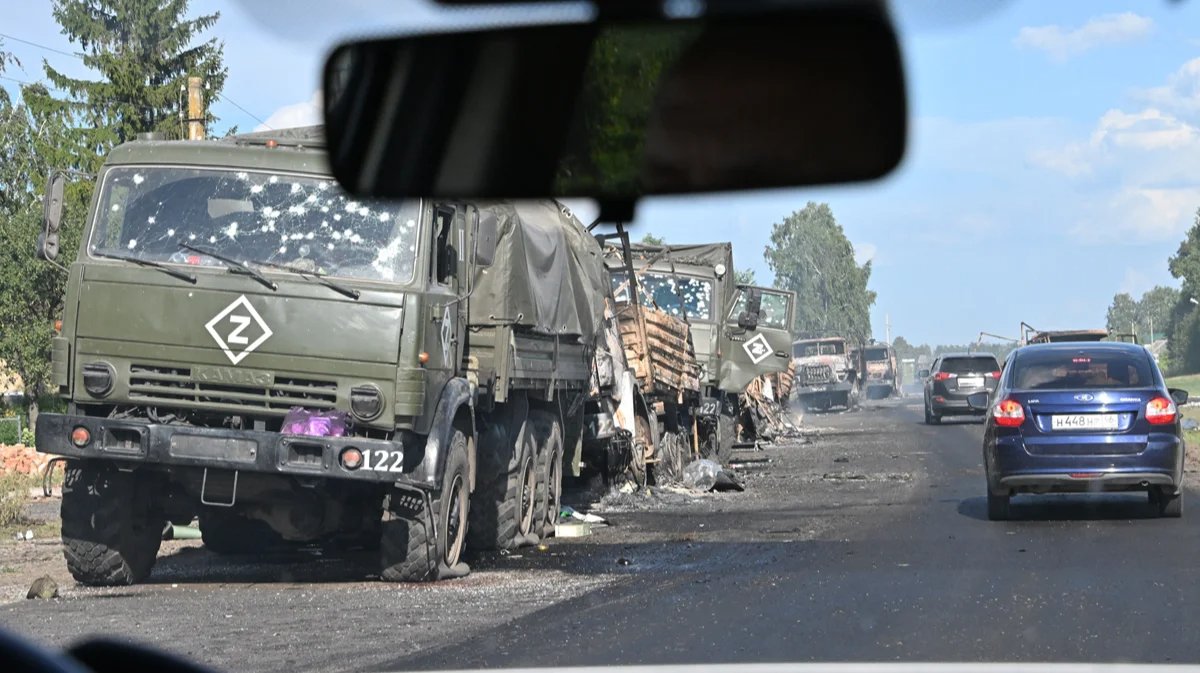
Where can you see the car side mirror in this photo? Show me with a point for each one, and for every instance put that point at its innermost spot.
(52, 209)
(1179, 396)
(923, 374)
(978, 401)
(486, 234)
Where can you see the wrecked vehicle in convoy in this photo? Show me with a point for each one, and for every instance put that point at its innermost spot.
(244, 342)
(737, 331)
(881, 375)
(826, 376)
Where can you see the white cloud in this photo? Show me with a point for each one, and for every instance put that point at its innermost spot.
(864, 252)
(1063, 43)
(1181, 93)
(306, 113)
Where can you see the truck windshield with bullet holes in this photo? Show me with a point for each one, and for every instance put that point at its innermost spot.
(246, 343)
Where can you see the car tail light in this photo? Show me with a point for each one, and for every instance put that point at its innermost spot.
(1160, 411)
(1008, 414)
(995, 375)
(942, 376)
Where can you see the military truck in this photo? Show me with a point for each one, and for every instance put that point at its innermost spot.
(826, 376)
(881, 373)
(738, 331)
(244, 342)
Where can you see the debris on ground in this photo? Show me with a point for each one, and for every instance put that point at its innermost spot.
(568, 512)
(841, 459)
(44, 588)
(707, 475)
(572, 529)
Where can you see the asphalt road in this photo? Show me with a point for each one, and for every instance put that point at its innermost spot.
(867, 543)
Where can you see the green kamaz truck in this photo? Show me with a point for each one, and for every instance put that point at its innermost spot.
(738, 331)
(244, 342)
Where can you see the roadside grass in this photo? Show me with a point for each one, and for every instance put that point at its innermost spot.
(1191, 440)
(14, 500)
(1189, 382)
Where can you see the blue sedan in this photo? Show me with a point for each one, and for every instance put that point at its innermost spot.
(1082, 417)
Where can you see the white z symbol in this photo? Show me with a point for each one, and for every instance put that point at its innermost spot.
(235, 337)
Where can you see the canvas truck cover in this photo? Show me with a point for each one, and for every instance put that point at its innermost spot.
(547, 275)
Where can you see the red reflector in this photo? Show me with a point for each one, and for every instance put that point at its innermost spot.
(81, 437)
(193, 259)
(1160, 411)
(351, 458)
(1084, 475)
(938, 398)
(995, 375)
(1008, 414)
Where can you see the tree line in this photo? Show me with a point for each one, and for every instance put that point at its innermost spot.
(140, 54)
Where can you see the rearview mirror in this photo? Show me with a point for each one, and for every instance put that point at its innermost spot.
(978, 401)
(1179, 396)
(52, 209)
(748, 99)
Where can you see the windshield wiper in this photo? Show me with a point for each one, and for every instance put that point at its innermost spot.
(317, 276)
(234, 265)
(165, 268)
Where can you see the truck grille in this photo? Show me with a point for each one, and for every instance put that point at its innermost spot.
(816, 374)
(174, 385)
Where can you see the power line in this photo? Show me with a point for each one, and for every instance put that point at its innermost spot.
(222, 96)
(40, 46)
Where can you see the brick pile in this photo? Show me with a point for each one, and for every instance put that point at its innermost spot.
(22, 459)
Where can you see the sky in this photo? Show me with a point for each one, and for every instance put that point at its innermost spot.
(1053, 158)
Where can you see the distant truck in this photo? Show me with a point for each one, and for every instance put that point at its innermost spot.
(881, 373)
(245, 342)
(737, 331)
(826, 374)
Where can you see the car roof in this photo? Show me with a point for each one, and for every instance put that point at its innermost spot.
(1093, 346)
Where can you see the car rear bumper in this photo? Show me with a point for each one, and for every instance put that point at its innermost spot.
(955, 403)
(1010, 466)
(156, 444)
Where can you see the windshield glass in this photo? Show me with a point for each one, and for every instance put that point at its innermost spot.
(677, 295)
(772, 312)
(875, 354)
(301, 221)
(1081, 369)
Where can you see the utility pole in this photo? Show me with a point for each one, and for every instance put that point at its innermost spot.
(195, 108)
(887, 327)
(1151, 330)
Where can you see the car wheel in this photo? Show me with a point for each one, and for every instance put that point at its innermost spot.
(998, 506)
(1170, 504)
(928, 415)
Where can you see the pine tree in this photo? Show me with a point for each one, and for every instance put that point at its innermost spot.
(143, 52)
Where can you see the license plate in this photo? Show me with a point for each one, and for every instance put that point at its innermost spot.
(970, 382)
(1083, 422)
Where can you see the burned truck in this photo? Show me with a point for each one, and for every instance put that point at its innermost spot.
(881, 373)
(244, 342)
(737, 331)
(826, 375)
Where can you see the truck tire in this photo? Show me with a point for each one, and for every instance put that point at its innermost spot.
(230, 534)
(503, 505)
(726, 438)
(110, 537)
(550, 471)
(410, 550)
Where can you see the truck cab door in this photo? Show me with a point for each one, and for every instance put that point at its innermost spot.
(756, 338)
(447, 266)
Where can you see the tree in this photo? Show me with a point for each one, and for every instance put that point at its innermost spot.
(811, 256)
(651, 239)
(1183, 349)
(744, 276)
(1154, 312)
(143, 52)
(1122, 314)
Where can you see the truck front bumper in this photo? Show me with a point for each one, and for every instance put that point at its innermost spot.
(139, 442)
(822, 388)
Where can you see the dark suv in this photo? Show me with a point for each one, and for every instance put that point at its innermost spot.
(952, 378)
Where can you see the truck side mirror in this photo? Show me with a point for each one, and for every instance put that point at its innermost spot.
(487, 231)
(748, 319)
(52, 209)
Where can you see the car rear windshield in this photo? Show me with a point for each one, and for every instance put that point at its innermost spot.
(1080, 369)
(973, 365)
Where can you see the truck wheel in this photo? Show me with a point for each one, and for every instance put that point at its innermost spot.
(550, 473)
(726, 437)
(502, 507)
(409, 549)
(110, 537)
(226, 533)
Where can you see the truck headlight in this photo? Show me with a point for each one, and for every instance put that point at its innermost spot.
(366, 402)
(98, 378)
